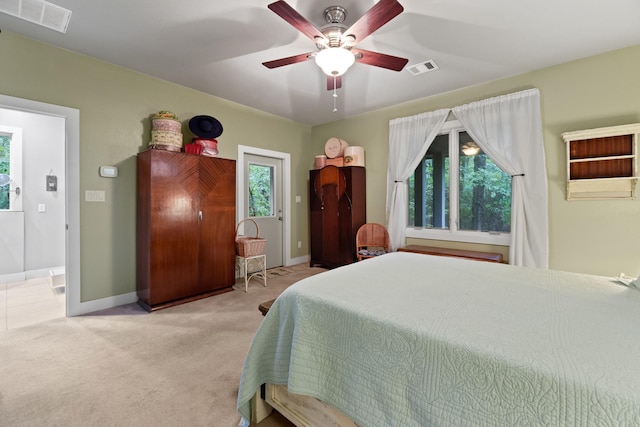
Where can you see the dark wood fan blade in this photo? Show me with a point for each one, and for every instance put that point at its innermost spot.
(289, 14)
(381, 13)
(330, 81)
(381, 60)
(288, 61)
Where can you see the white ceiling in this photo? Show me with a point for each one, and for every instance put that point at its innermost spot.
(218, 46)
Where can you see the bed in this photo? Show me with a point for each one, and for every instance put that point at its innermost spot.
(415, 340)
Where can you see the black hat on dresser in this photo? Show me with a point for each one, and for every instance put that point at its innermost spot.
(205, 127)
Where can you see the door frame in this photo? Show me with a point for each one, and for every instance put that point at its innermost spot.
(74, 305)
(243, 150)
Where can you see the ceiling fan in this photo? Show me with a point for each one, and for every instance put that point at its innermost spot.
(336, 43)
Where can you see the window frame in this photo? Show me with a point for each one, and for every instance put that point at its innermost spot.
(272, 189)
(453, 234)
(15, 168)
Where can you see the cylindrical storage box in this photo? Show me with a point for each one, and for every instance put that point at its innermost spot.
(320, 161)
(334, 147)
(193, 148)
(167, 125)
(209, 146)
(354, 156)
(166, 132)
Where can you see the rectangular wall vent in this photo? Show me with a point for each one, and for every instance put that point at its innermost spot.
(38, 12)
(423, 67)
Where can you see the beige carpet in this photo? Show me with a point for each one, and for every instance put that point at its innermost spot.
(125, 367)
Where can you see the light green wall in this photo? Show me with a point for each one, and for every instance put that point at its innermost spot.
(596, 237)
(115, 108)
(116, 104)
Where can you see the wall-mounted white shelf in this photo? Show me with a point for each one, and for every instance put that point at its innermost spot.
(602, 162)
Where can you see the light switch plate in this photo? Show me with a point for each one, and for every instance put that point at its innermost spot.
(94, 196)
(108, 171)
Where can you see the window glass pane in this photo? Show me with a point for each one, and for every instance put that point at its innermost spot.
(5, 163)
(429, 188)
(260, 190)
(485, 191)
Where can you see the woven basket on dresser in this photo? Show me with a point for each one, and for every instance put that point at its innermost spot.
(249, 246)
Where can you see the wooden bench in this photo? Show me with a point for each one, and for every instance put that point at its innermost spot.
(458, 253)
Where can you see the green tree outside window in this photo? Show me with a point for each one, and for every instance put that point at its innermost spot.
(4, 169)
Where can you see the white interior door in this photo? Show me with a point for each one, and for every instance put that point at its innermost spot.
(263, 203)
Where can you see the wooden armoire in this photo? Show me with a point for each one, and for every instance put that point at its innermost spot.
(338, 208)
(186, 212)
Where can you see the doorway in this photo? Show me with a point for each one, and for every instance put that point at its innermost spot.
(272, 213)
(68, 179)
(263, 204)
(32, 224)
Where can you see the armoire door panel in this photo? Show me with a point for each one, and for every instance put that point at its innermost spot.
(315, 228)
(217, 226)
(330, 225)
(174, 207)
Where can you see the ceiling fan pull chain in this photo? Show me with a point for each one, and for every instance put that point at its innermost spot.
(335, 95)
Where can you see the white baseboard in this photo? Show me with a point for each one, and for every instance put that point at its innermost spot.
(29, 274)
(14, 277)
(102, 304)
(298, 260)
(110, 302)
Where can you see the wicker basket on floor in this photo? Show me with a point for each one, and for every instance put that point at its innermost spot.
(249, 246)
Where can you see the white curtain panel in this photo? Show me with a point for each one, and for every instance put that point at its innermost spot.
(509, 130)
(409, 140)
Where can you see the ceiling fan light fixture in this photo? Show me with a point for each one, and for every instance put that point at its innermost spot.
(335, 61)
(470, 149)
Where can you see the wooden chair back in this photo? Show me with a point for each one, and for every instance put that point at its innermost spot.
(372, 237)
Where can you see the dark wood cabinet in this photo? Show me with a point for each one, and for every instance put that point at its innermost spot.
(186, 209)
(338, 209)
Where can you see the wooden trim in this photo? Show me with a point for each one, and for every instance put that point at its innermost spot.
(601, 132)
(457, 253)
(305, 411)
(265, 306)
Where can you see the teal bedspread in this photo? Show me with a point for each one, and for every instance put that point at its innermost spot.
(416, 340)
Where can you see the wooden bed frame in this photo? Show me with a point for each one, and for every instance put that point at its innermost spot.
(303, 411)
(303, 334)
(306, 411)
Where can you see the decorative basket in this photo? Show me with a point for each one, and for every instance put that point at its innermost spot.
(249, 246)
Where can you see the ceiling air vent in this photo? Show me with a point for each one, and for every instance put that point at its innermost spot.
(39, 12)
(422, 67)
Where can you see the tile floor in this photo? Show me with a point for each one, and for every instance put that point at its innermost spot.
(29, 302)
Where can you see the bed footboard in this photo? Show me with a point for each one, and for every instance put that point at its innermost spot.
(303, 411)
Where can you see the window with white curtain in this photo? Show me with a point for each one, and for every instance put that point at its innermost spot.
(458, 193)
(508, 128)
